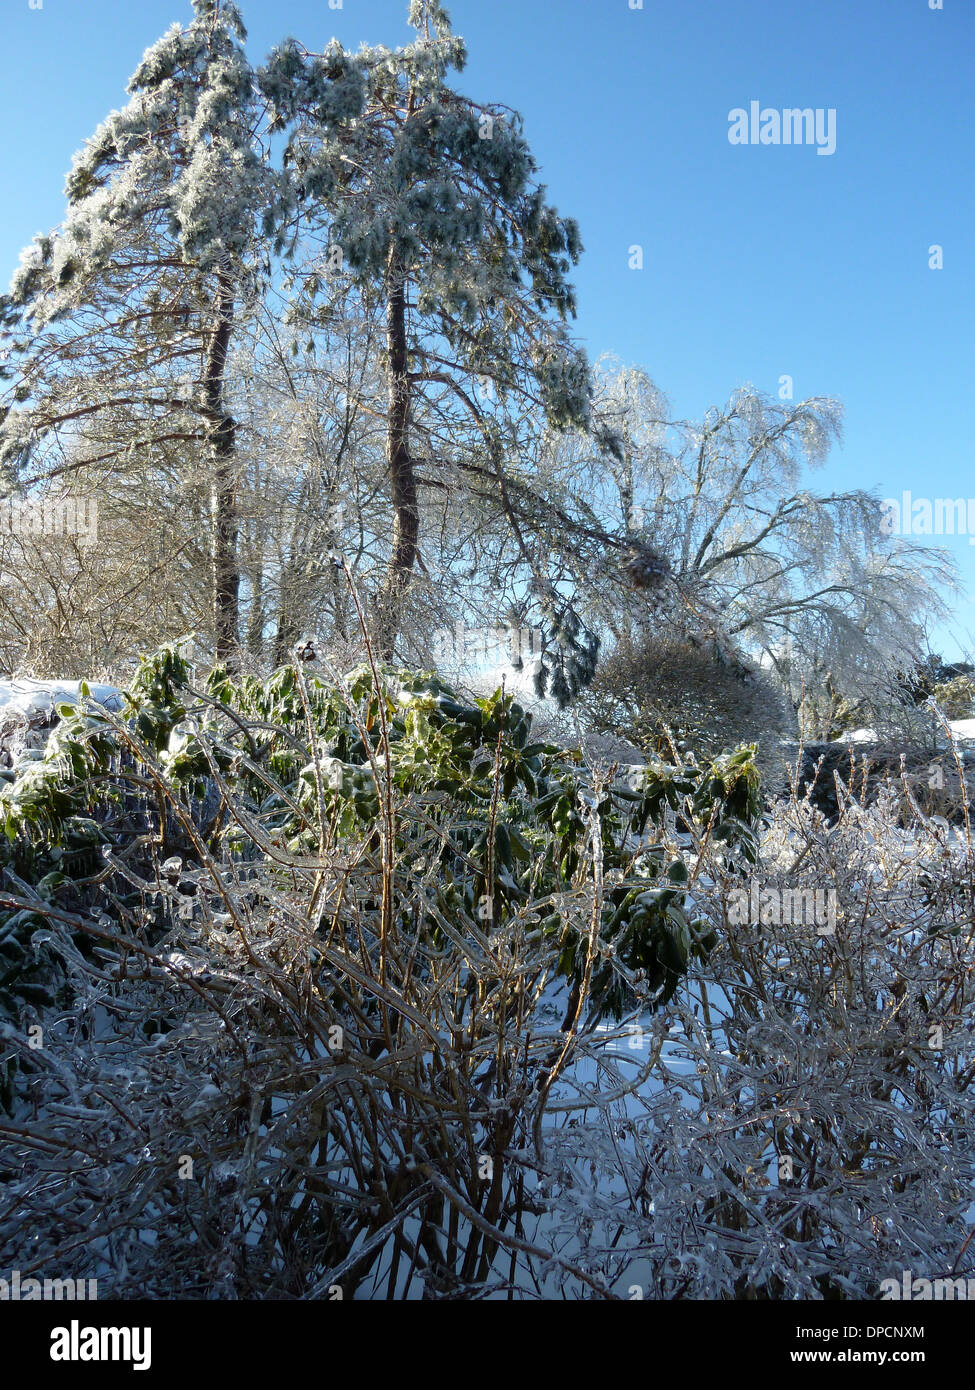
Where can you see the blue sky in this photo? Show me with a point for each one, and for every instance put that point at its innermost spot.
(758, 260)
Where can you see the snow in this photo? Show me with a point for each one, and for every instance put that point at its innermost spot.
(29, 709)
(38, 700)
(962, 729)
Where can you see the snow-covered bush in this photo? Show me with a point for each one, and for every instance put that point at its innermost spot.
(418, 1008)
(294, 1029)
(658, 688)
(957, 697)
(805, 1129)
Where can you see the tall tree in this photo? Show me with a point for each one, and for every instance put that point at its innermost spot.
(730, 544)
(428, 203)
(122, 321)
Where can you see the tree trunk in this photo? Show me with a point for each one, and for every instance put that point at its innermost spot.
(288, 630)
(257, 617)
(225, 570)
(399, 462)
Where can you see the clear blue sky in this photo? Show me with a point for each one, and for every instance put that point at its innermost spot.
(759, 261)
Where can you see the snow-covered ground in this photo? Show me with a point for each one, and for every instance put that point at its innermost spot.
(37, 700)
(962, 729)
(28, 711)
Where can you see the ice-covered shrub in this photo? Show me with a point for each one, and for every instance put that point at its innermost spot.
(400, 1017)
(302, 1023)
(935, 776)
(662, 690)
(805, 1130)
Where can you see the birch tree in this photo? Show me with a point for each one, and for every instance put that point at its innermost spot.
(749, 556)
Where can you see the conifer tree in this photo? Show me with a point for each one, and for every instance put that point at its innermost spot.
(122, 320)
(429, 204)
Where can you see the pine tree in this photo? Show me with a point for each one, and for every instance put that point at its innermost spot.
(429, 205)
(122, 320)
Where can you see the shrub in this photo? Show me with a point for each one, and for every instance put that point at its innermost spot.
(296, 1005)
(803, 1128)
(957, 697)
(665, 692)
